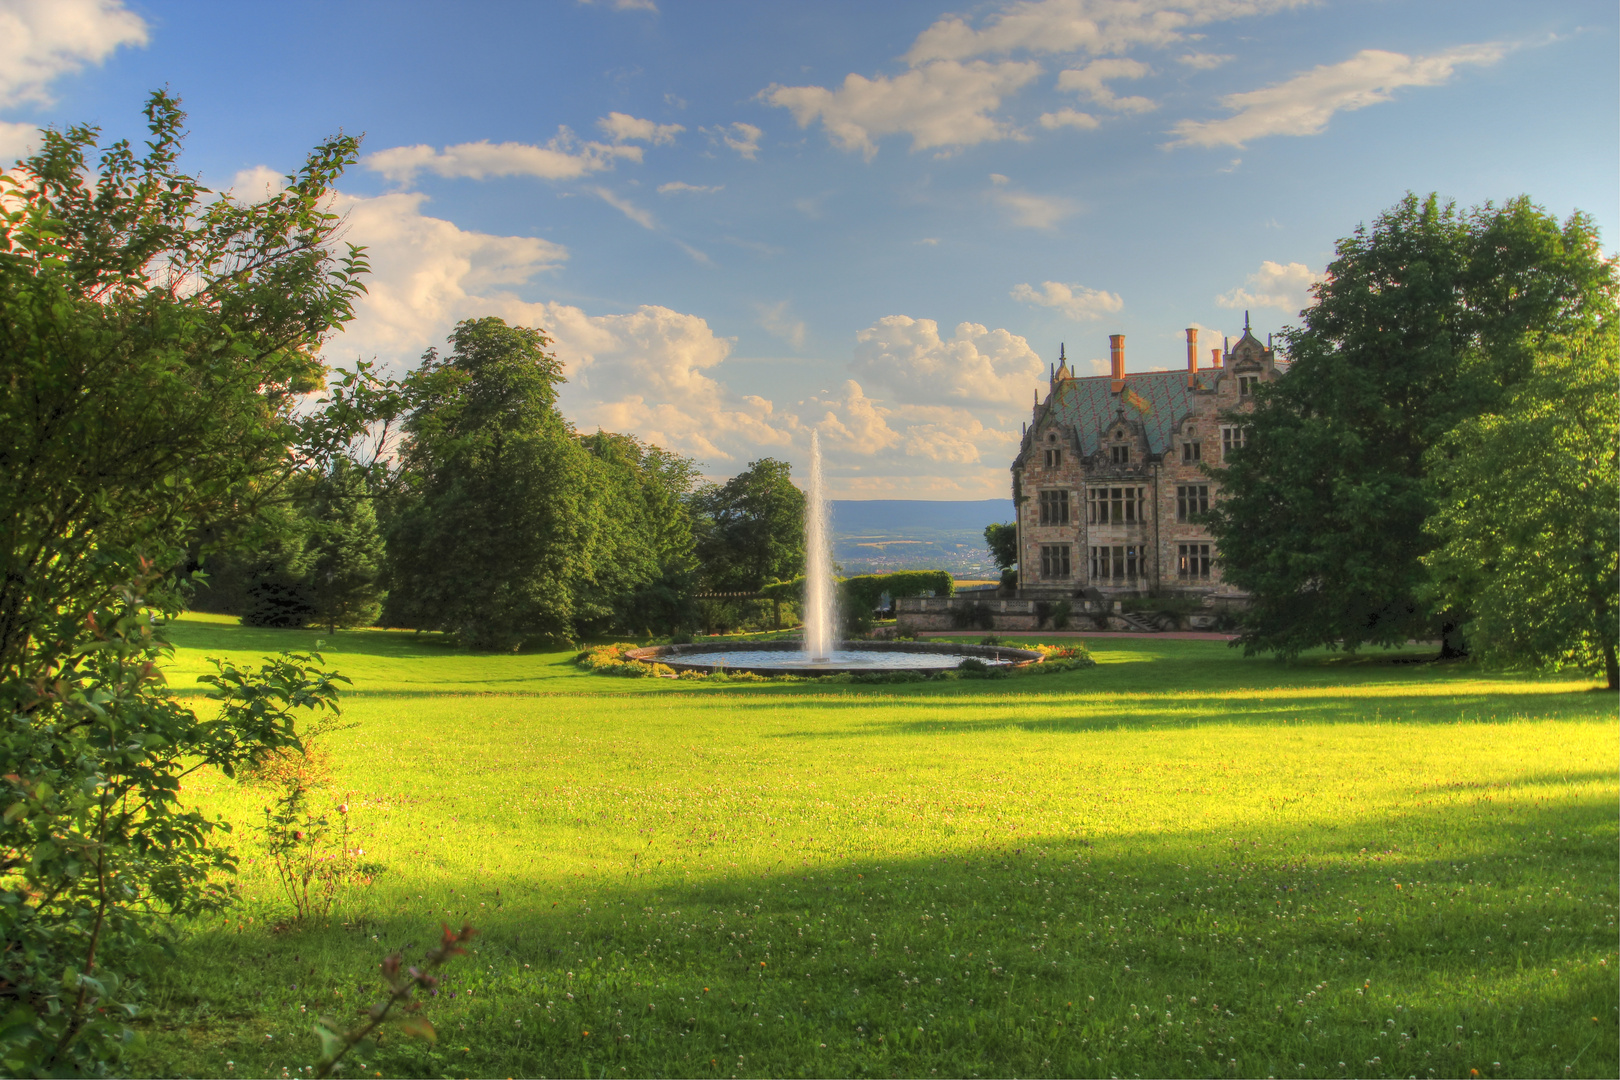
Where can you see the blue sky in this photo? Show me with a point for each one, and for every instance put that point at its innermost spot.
(743, 221)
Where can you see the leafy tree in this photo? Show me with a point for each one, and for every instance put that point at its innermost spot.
(1422, 321)
(752, 528)
(642, 559)
(153, 341)
(495, 524)
(1526, 528)
(1002, 540)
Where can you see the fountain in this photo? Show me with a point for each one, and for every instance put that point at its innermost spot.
(821, 653)
(820, 603)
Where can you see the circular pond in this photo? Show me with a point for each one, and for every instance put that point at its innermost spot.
(789, 657)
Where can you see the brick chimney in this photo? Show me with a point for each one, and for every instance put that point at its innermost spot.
(1215, 357)
(1192, 357)
(1116, 361)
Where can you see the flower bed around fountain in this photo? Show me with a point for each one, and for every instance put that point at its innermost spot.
(851, 657)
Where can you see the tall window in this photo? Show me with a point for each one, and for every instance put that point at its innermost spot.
(1192, 561)
(1054, 561)
(1120, 454)
(1054, 508)
(1246, 384)
(1054, 458)
(1191, 452)
(1192, 500)
(1118, 563)
(1231, 438)
(1116, 505)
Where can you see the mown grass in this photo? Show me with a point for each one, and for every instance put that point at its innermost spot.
(1180, 862)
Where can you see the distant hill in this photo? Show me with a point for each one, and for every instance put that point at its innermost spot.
(881, 535)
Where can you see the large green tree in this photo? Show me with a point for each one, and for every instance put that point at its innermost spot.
(643, 557)
(751, 528)
(154, 340)
(495, 524)
(344, 550)
(1425, 319)
(1528, 529)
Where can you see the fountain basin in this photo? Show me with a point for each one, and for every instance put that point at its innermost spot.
(853, 657)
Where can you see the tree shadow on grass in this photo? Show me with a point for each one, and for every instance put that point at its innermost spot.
(1445, 939)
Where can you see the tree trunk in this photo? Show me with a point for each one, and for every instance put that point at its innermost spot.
(1611, 667)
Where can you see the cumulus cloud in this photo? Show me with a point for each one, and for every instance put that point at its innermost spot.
(1067, 117)
(850, 422)
(741, 137)
(977, 365)
(1033, 211)
(562, 158)
(1304, 104)
(427, 274)
(1286, 287)
(946, 104)
(650, 372)
(1074, 301)
(16, 141)
(42, 40)
(679, 185)
(1091, 82)
(1074, 26)
(1203, 61)
(622, 127)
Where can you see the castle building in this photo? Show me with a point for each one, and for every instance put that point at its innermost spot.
(1110, 483)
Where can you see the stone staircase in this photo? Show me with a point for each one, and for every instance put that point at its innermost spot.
(1147, 622)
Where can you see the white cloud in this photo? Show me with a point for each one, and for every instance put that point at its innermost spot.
(679, 185)
(427, 274)
(625, 5)
(1304, 104)
(1066, 117)
(779, 322)
(1092, 80)
(1074, 301)
(42, 40)
(16, 141)
(1079, 26)
(649, 373)
(946, 104)
(851, 424)
(563, 158)
(976, 366)
(741, 137)
(626, 207)
(1275, 285)
(622, 127)
(1034, 211)
(1203, 61)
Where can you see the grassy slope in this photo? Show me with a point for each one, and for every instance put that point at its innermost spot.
(1179, 862)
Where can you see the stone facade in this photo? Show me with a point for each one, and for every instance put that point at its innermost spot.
(1111, 477)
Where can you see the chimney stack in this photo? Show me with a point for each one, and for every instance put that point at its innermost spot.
(1116, 360)
(1192, 357)
(1215, 356)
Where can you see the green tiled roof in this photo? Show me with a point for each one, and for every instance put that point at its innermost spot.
(1155, 399)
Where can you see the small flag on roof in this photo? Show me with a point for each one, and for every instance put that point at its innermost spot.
(1137, 401)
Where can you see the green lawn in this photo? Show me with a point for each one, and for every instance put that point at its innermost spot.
(1180, 862)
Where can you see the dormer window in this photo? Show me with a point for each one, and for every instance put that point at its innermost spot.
(1119, 454)
(1054, 458)
(1246, 385)
(1191, 451)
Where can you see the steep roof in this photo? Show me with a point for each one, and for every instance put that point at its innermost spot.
(1156, 400)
